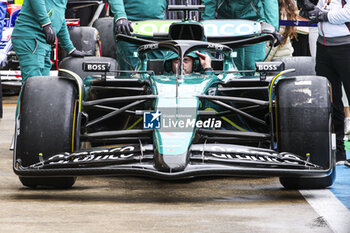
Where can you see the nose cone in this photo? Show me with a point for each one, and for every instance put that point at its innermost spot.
(171, 150)
(170, 162)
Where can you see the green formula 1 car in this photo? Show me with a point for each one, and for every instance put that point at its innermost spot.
(93, 119)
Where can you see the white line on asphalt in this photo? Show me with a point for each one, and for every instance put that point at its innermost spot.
(330, 208)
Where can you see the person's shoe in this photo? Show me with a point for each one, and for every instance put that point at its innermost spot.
(347, 125)
(347, 162)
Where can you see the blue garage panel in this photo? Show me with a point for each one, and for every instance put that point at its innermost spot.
(341, 186)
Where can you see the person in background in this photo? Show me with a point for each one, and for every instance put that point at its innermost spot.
(37, 26)
(333, 57)
(3, 8)
(313, 35)
(126, 11)
(258, 10)
(287, 11)
(302, 43)
(346, 115)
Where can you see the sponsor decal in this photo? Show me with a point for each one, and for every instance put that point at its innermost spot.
(215, 46)
(129, 152)
(269, 66)
(98, 155)
(266, 67)
(148, 27)
(150, 46)
(96, 66)
(228, 28)
(212, 28)
(253, 155)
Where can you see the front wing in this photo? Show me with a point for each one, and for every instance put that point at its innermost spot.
(204, 160)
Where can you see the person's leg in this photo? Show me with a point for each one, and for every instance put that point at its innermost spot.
(126, 55)
(313, 35)
(32, 59)
(254, 53)
(47, 64)
(31, 54)
(326, 67)
(342, 61)
(347, 114)
(239, 59)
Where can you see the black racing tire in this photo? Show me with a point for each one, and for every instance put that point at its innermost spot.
(304, 127)
(46, 120)
(85, 39)
(303, 65)
(105, 28)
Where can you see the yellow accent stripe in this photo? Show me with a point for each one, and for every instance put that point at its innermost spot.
(276, 122)
(135, 123)
(270, 98)
(272, 82)
(74, 122)
(78, 79)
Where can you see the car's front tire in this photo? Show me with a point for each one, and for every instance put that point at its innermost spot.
(303, 112)
(46, 125)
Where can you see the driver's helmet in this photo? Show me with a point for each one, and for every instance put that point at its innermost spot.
(172, 55)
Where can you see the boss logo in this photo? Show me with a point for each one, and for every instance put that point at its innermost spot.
(269, 66)
(94, 66)
(150, 46)
(215, 46)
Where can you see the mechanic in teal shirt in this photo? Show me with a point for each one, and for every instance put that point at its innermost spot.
(126, 11)
(35, 31)
(257, 10)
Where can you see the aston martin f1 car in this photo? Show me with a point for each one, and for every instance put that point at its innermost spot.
(93, 119)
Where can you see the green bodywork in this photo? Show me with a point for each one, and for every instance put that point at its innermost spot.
(177, 95)
(185, 104)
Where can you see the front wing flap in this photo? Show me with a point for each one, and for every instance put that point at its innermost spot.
(205, 160)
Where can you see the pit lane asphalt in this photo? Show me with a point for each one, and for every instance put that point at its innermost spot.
(129, 204)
